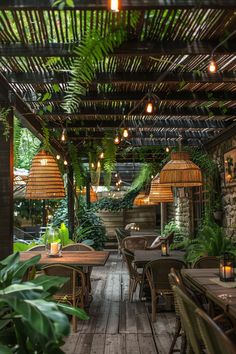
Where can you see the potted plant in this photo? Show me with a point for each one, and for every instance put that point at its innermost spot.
(30, 321)
(218, 209)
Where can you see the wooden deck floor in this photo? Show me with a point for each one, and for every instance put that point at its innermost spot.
(117, 326)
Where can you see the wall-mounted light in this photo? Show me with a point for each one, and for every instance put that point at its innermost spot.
(63, 135)
(114, 5)
(212, 67)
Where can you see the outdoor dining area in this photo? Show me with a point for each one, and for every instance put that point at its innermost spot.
(117, 177)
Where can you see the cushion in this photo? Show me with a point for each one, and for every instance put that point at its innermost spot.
(156, 241)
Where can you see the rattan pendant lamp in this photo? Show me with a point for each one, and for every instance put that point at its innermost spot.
(180, 171)
(44, 180)
(160, 193)
(142, 199)
(93, 194)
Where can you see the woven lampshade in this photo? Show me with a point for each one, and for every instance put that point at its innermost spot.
(93, 194)
(44, 180)
(160, 193)
(142, 199)
(180, 171)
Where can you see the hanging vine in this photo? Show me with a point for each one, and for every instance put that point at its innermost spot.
(3, 119)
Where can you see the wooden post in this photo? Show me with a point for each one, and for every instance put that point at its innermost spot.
(6, 189)
(70, 201)
(44, 213)
(88, 191)
(163, 216)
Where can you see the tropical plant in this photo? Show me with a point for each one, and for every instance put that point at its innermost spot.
(211, 241)
(173, 227)
(109, 149)
(30, 321)
(79, 171)
(61, 214)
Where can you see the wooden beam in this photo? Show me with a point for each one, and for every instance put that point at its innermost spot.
(221, 137)
(141, 124)
(6, 189)
(151, 78)
(132, 48)
(70, 201)
(126, 4)
(136, 96)
(161, 111)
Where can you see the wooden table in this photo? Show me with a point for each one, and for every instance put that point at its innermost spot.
(141, 257)
(223, 297)
(76, 258)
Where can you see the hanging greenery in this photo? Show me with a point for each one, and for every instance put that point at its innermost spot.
(3, 119)
(110, 150)
(79, 171)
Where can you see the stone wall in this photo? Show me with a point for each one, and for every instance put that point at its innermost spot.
(228, 193)
(180, 212)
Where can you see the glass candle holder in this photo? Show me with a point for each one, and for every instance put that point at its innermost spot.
(164, 249)
(227, 267)
(53, 243)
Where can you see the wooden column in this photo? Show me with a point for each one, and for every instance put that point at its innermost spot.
(6, 189)
(88, 191)
(163, 215)
(70, 201)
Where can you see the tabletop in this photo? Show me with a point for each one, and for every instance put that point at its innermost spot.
(141, 257)
(76, 258)
(222, 296)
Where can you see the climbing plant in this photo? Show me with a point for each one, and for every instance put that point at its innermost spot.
(3, 120)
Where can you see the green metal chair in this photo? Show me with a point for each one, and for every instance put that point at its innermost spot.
(157, 275)
(216, 342)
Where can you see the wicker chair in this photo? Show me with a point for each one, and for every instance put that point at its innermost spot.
(134, 243)
(169, 238)
(207, 262)
(40, 248)
(135, 277)
(82, 247)
(176, 280)
(187, 308)
(70, 292)
(216, 342)
(119, 237)
(157, 275)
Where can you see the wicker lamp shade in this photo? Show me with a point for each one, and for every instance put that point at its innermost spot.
(142, 199)
(160, 193)
(44, 181)
(180, 171)
(93, 194)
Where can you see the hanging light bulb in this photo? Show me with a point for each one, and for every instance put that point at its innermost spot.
(125, 133)
(92, 165)
(116, 175)
(149, 107)
(98, 164)
(63, 135)
(101, 155)
(117, 139)
(58, 157)
(212, 67)
(65, 163)
(167, 149)
(114, 5)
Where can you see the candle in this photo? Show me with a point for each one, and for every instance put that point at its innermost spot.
(163, 249)
(54, 248)
(227, 272)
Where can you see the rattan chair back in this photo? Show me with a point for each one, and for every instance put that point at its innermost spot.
(129, 259)
(176, 280)
(40, 248)
(187, 308)
(207, 262)
(216, 342)
(134, 243)
(78, 247)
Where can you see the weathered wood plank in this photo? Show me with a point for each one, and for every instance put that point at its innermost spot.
(115, 344)
(147, 344)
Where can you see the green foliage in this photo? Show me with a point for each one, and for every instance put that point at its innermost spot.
(31, 322)
(172, 227)
(3, 119)
(61, 214)
(90, 228)
(109, 149)
(22, 247)
(64, 235)
(79, 171)
(211, 241)
(111, 204)
(143, 177)
(91, 51)
(17, 131)
(62, 3)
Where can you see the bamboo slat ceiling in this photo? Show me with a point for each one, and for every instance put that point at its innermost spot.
(167, 54)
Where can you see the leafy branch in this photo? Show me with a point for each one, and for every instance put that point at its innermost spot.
(3, 118)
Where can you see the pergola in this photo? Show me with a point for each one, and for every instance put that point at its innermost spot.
(165, 54)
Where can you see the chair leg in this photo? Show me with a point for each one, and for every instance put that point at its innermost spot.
(154, 306)
(183, 344)
(130, 289)
(176, 334)
(74, 323)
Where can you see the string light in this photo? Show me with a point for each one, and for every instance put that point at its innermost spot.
(65, 163)
(125, 133)
(116, 175)
(92, 165)
(167, 149)
(117, 139)
(58, 157)
(149, 107)
(212, 67)
(114, 5)
(98, 164)
(101, 155)
(63, 135)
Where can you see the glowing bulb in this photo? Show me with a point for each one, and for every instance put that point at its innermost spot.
(65, 163)
(101, 155)
(152, 176)
(63, 135)
(92, 165)
(43, 162)
(117, 140)
(98, 164)
(58, 157)
(167, 149)
(149, 107)
(116, 175)
(212, 67)
(125, 133)
(114, 5)
(119, 182)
